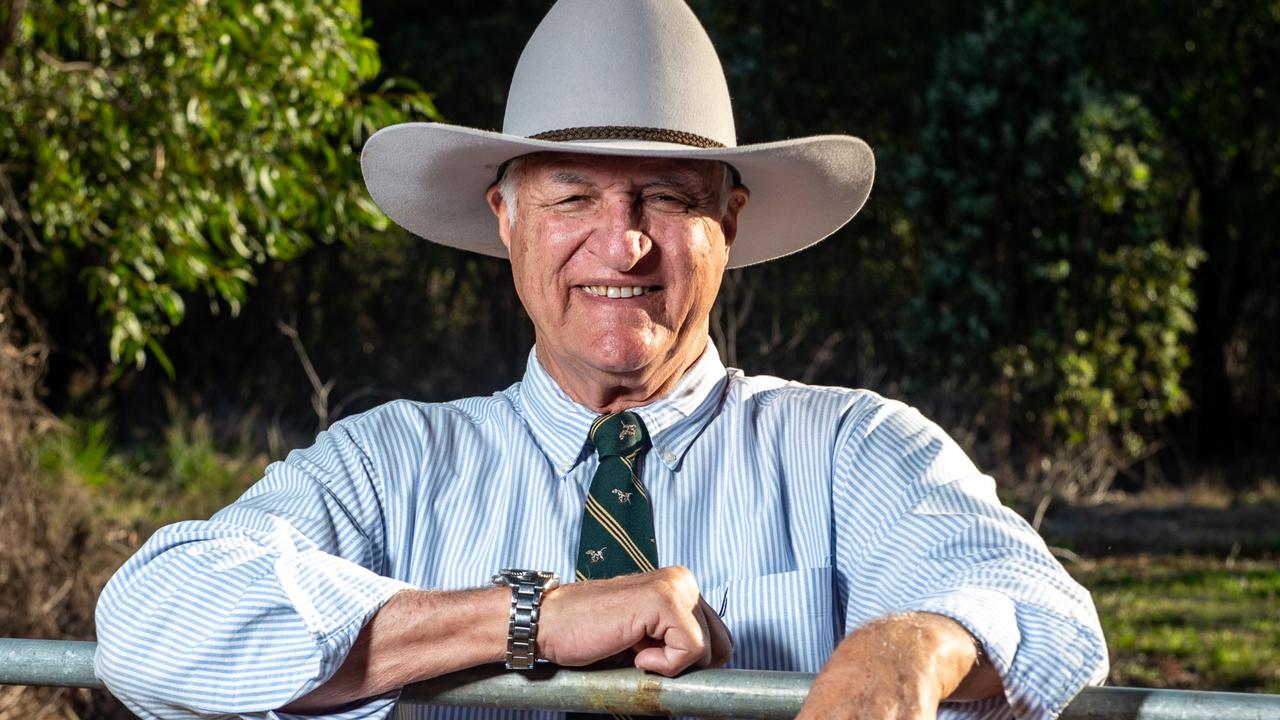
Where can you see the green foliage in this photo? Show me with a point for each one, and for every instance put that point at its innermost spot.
(81, 450)
(1045, 282)
(1207, 71)
(159, 148)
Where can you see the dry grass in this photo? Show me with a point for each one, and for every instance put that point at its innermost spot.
(51, 565)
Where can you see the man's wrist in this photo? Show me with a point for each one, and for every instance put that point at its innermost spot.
(527, 589)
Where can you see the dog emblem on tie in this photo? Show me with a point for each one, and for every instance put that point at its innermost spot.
(628, 430)
(595, 556)
(623, 497)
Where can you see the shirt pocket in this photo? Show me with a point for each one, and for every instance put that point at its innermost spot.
(780, 621)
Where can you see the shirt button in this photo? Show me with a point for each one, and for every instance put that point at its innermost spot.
(669, 458)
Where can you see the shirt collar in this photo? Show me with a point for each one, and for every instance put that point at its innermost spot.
(560, 425)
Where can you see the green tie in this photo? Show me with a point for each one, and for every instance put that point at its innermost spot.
(617, 524)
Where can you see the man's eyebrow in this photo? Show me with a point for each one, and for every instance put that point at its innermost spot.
(683, 179)
(569, 177)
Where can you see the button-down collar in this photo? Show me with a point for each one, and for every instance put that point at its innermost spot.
(560, 425)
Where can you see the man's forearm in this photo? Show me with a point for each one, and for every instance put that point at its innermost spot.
(418, 634)
(902, 666)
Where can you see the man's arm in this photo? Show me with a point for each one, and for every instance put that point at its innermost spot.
(901, 666)
(283, 597)
(920, 533)
(239, 613)
(422, 634)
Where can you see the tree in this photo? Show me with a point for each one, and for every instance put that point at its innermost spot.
(153, 150)
(1047, 280)
(1206, 70)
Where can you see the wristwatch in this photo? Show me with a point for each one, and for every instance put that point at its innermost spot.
(527, 587)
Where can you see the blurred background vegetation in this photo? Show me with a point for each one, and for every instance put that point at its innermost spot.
(1069, 260)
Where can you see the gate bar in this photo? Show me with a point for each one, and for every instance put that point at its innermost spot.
(706, 693)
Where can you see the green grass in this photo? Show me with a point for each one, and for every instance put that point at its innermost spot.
(181, 474)
(1189, 622)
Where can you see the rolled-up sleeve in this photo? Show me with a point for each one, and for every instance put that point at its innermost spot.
(919, 528)
(260, 604)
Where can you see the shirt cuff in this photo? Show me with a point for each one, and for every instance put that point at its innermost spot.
(1043, 670)
(334, 598)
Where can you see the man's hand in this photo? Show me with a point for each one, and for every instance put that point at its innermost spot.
(901, 667)
(660, 615)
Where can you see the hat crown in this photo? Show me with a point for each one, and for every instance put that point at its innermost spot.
(620, 63)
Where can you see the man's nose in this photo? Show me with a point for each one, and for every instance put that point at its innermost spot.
(625, 239)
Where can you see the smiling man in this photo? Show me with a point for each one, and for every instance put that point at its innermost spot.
(618, 262)
(631, 499)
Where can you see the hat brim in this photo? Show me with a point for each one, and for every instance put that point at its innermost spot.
(430, 178)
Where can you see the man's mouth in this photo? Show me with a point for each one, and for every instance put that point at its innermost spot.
(617, 291)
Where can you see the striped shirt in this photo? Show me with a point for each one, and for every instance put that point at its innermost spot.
(802, 511)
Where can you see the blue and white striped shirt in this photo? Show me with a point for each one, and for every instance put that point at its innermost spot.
(804, 511)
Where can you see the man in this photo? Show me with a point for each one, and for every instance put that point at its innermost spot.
(707, 517)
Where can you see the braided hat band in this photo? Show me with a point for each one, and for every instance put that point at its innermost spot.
(623, 132)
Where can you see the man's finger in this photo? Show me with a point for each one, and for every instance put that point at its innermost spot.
(699, 613)
(719, 638)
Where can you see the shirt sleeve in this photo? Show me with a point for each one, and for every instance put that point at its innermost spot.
(258, 605)
(918, 528)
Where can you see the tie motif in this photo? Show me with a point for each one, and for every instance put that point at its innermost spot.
(617, 522)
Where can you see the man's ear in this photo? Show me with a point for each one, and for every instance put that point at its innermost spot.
(498, 205)
(738, 198)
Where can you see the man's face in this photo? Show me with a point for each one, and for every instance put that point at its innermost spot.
(618, 260)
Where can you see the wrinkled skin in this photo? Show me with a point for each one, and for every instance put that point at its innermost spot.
(584, 221)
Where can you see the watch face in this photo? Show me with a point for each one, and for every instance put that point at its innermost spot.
(543, 578)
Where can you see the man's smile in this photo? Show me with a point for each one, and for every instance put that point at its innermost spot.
(617, 291)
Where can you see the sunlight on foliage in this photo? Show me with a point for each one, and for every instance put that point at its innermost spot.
(169, 147)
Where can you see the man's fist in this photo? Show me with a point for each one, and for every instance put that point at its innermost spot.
(900, 667)
(660, 616)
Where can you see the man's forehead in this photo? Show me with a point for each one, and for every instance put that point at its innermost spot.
(558, 167)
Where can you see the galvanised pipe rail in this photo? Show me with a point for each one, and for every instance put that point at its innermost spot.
(705, 693)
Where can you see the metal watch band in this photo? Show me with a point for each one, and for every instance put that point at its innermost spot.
(527, 587)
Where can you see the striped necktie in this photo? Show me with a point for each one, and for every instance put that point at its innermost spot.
(617, 524)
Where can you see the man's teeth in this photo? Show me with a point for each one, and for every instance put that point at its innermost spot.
(614, 291)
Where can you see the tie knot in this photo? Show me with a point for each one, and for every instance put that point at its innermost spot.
(618, 434)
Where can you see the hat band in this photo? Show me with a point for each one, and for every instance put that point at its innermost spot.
(623, 132)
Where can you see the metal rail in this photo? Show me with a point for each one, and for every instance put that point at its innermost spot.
(705, 693)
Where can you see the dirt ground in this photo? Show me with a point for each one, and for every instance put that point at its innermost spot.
(1157, 526)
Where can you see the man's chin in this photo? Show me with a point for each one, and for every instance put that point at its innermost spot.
(625, 366)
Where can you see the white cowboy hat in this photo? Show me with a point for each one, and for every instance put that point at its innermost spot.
(617, 77)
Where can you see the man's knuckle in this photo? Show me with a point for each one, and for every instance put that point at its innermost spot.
(679, 576)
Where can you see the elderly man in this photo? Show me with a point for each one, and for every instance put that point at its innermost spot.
(703, 516)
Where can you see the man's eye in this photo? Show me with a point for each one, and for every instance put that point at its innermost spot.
(572, 200)
(667, 200)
